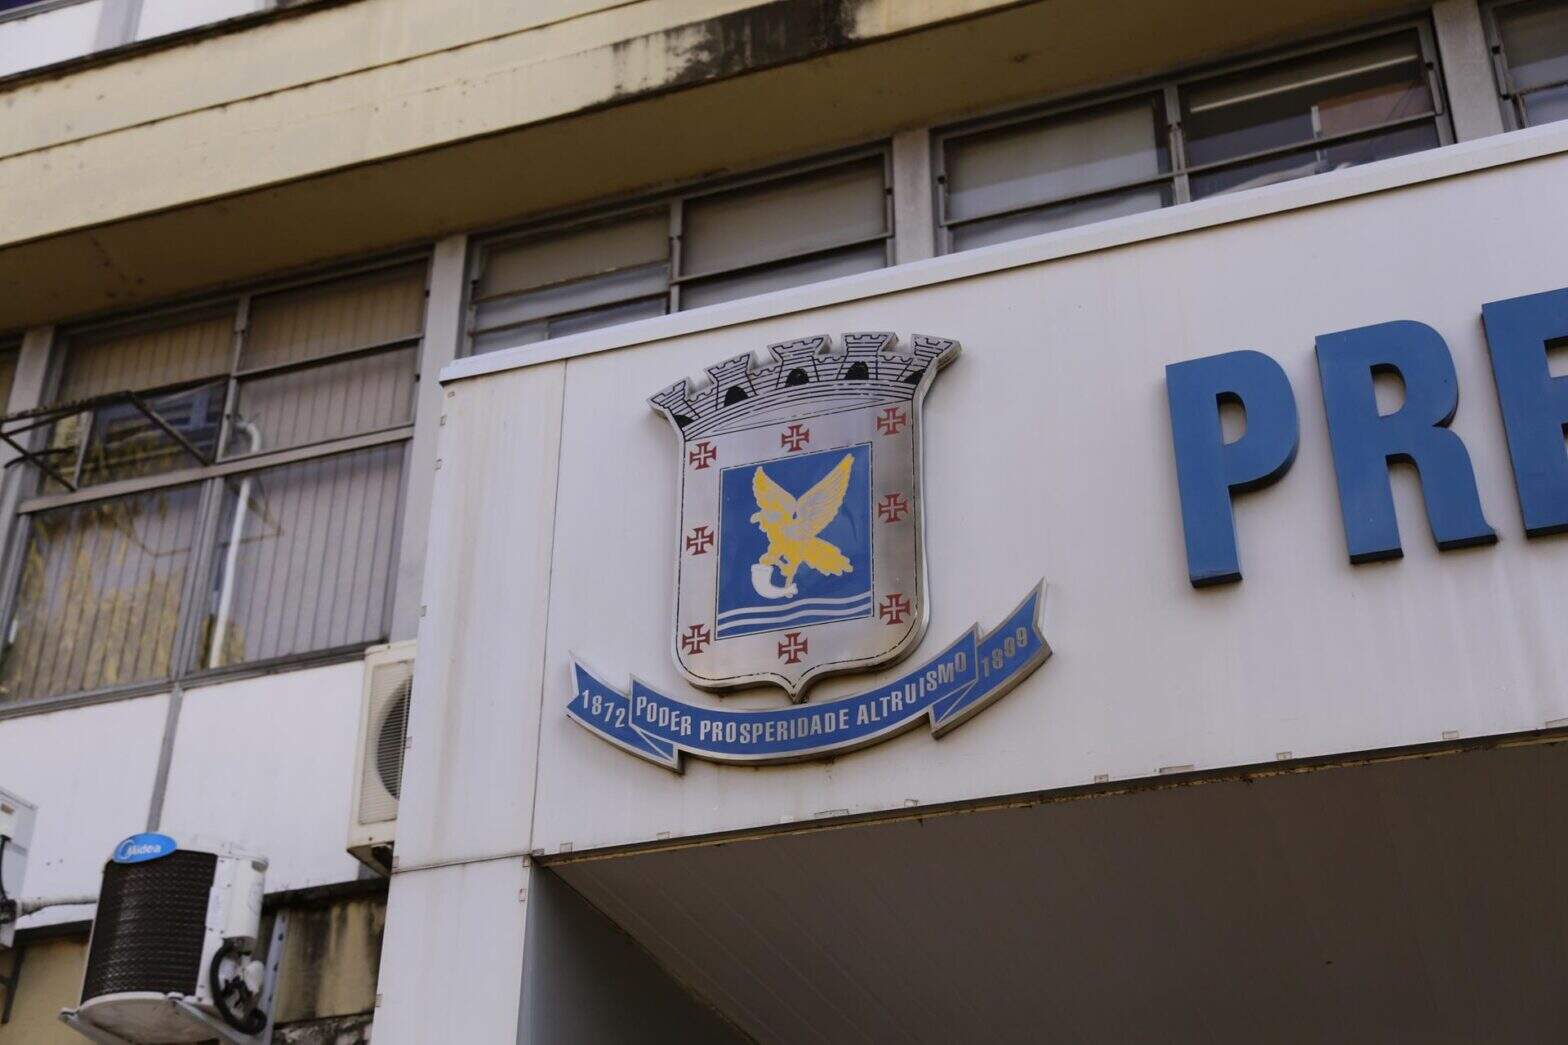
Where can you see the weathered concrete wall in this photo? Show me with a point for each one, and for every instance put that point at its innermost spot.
(365, 125)
(51, 980)
(331, 955)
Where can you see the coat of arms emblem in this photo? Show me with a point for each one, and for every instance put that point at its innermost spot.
(800, 553)
(800, 550)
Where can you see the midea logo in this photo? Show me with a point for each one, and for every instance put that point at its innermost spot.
(139, 848)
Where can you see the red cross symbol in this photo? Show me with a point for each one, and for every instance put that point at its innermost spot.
(795, 437)
(891, 420)
(696, 638)
(792, 647)
(893, 608)
(893, 507)
(699, 540)
(702, 454)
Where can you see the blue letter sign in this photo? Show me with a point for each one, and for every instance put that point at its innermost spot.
(1535, 404)
(1209, 470)
(1364, 442)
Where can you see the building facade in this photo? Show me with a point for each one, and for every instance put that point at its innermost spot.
(328, 335)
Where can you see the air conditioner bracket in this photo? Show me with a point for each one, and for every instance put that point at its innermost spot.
(182, 1005)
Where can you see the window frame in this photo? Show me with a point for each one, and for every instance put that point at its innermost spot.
(1168, 90)
(674, 201)
(184, 669)
(35, 7)
(1510, 98)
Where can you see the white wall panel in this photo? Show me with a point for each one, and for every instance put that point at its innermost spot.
(267, 764)
(452, 957)
(48, 37)
(90, 773)
(1048, 454)
(474, 721)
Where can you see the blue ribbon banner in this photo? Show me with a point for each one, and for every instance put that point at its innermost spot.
(948, 689)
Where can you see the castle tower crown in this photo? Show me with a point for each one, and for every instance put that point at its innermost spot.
(869, 364)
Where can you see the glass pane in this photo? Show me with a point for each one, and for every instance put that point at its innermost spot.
(1305, 99)
(792, 215)
(122, 442)
(846, 262)
(593, 319)
(640, 239)
(576, 296)
(323, 402)
(1314, 161)
(571, 323)
(509, 337)
(987, 231)
(1535, 41)
(132, 359)
(99, 599)
(1546, 106)
(1055, 158)
(335, 316)
(303, 558)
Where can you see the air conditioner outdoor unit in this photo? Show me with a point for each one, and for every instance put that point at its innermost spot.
(378, 769)
(172, 956)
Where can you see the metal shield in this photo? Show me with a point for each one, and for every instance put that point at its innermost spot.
(801, 546)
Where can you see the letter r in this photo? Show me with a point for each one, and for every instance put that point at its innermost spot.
(1209, 470)
(1365, 442)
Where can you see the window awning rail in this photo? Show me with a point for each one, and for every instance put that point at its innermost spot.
(15, 430)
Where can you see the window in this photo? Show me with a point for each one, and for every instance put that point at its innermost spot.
(695, 249)
(1530, 44)
(215, 487)
(1254, 125)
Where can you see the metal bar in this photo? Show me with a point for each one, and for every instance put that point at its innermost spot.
(269, 986)
(186, 476)
(36, 459)
(1176, 143)
(408, 341)
(169, 430)
(677, 218)
(1551, 85)
(160, 780)
(753, 266)
(1312, 81)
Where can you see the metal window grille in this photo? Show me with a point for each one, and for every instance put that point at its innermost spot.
(215, 486)
(714, 243)
(1529, 43)
(1271, 119)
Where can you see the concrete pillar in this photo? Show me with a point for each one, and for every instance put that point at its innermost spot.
(442, 338)
(1473, 100)
(914, 217)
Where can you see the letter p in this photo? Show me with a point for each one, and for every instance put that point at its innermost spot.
(1209, 470)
